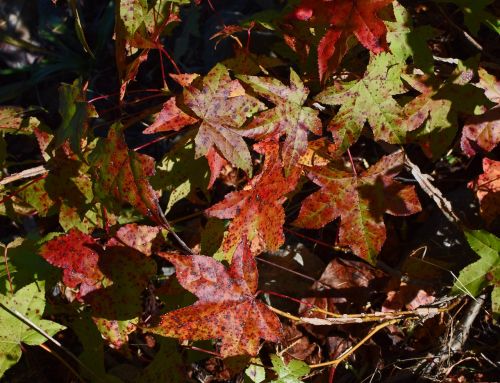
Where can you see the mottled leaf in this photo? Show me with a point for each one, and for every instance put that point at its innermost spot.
(289, 117)
(257, 210)
(360, 202)
(227, 308)
(223, 106)
(487, 189)
(78, 255)
(170, 118)
(369, 99)
(138, 237)
(122, 174)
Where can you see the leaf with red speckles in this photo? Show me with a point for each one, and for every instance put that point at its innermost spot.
(289, 116)
(78, 255)
(139, 237)
(170, 118)
(227, 308)
(360, 202)
(483, 131)
(257, 210)
(487, 188)
(216, 163)
(369, 99)
(342, 19)
(122, 174)
(223, 106)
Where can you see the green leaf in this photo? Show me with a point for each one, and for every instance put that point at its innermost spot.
(30, 302)
(13, 120)
(289, 373)
(132, 14)
(369, 99)
(256, 373)
(407, 41)
(485, 271)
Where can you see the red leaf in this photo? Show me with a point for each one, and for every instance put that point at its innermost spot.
(289, 117)
(487, 188)
(343, 18)
(227, 308)
(216, 163)
(223, 106)
(77, 254)
(257, 211)
(123, 175)
(360, 202)
(482, 131)
(170, 118)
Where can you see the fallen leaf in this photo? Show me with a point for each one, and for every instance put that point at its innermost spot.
(227, 308)
(360, 202)
(487, 189)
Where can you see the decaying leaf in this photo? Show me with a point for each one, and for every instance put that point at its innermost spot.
(289, 117)
(227, 308)
(360, 202)
(369, 99)
(123, 174)
(342, 19)
(223, 106)
(256, 210)
(487, 188)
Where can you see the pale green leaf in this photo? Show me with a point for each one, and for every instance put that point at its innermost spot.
(291, 372)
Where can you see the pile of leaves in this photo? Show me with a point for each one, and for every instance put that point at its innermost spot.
(155, 156)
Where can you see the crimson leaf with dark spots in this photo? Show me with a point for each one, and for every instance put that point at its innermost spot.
(77, 254)
(227, 308)
(360, 202)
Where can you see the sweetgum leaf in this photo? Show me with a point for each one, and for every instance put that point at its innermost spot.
(223, 106)
(257, 210)
(487, 189)
(123, 175)
(291, 372)
(77, 254)
(13, 120)
(138, 237)
(369, 99)
(30, 302)
(406, 41)
(360, 202)
(170, 118)
(342, 19)
(289, 117)
(227, 308)
(473, 278)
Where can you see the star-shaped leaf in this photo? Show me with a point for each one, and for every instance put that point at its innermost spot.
(227, 308)
(289, 117)
(170, 118)
(360, 202)
(257, 210)
(342, 19)
(369, 99)
(30, 302)
(122, 174)
(223, 106)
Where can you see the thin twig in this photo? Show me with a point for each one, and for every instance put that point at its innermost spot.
(33, 326)
(32, 172)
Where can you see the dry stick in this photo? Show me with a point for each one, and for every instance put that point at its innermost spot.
(461, 335)
(348, 353)
(32, 172)
(33, 326)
